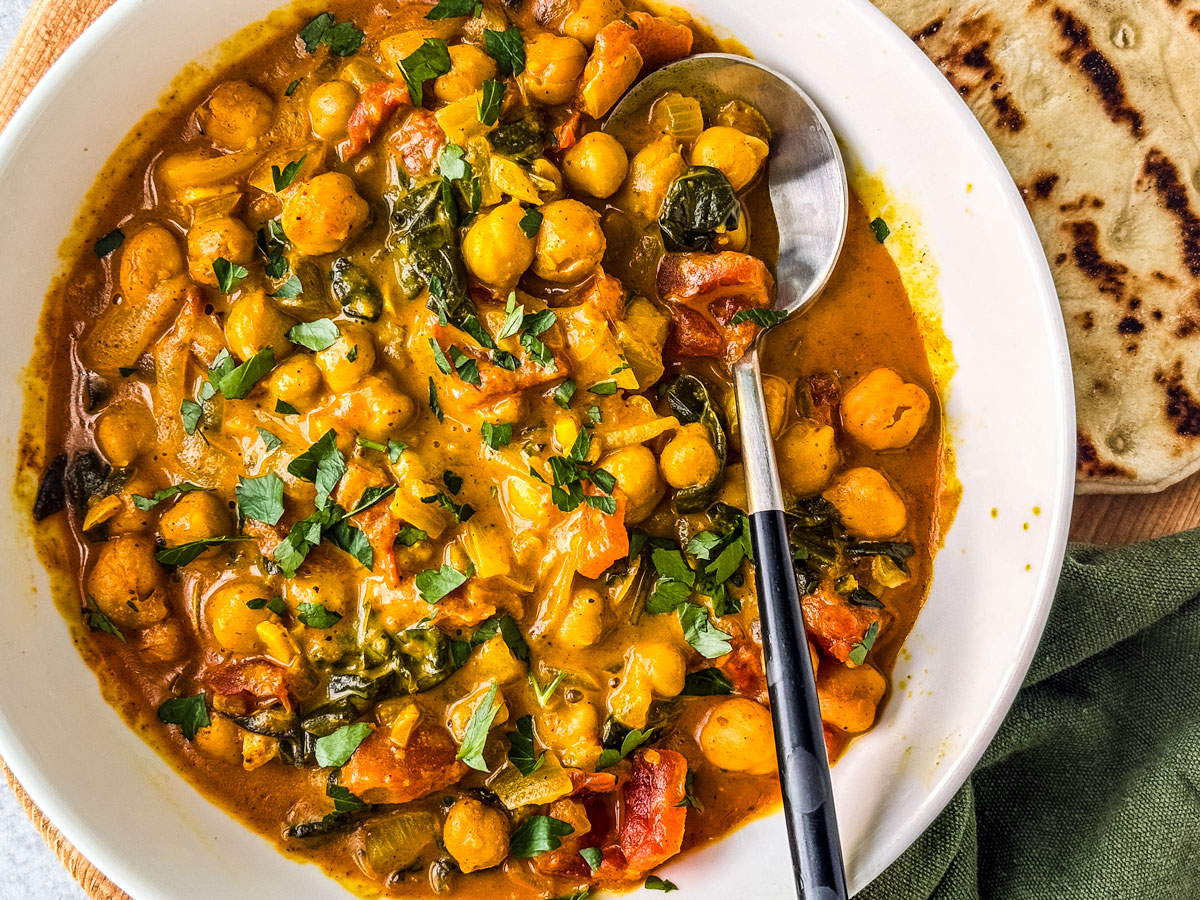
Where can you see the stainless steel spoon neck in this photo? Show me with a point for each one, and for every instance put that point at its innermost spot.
(763, 490)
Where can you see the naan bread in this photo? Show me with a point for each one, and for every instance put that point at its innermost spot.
(1095, 107)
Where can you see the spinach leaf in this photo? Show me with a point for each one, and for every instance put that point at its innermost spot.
(523, 139)
(452, 9)
(707, 683)
(354, 289)
(109, 243)
(700, 203)
(427, 244)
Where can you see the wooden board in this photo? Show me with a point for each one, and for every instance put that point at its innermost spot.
(50, 28)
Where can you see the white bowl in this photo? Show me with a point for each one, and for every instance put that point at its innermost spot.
(1010, 411)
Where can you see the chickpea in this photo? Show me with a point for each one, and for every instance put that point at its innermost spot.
(589, 16)
(850, 696)
(165, 641)
(253, 324)
(584, 621)
(234, 624)
(323, 213)
(122, 431)
(738, 736)
(476, 835)
(130, 519)
(196, 516)
(738, 155)
(636, 471)
(297, 380)
(329, 109)
(665, 666)
(496, 249)
(553, 65)
(126, 583)
(689, 459)
(883, 412)
(218, 237)
(651, 172)
(149, 257)
(807, 455)
(237, 115)
(869, 505)
(573, 732)
(596, 165)
(470, 67)
(375, 409)
(629, 702)
(341, 372)
(570, 243)
(330, 587)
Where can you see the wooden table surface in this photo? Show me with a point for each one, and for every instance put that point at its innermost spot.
(53, 24)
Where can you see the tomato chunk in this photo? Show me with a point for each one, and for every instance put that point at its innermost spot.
(704, 292)
(833, 623)
(653, 821)
(379, 103)
(383, 771)
(250, 684)
(600, 539)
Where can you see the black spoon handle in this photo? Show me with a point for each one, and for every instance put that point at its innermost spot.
(799, 738)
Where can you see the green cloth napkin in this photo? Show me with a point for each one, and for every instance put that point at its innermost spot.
(1091, 788)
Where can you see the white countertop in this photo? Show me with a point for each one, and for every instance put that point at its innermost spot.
(28, 869)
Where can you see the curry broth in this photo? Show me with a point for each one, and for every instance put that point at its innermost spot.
(835, 337)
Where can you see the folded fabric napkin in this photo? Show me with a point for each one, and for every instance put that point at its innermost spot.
(1091, 789)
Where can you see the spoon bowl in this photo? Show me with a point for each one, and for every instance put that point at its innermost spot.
(810, 194)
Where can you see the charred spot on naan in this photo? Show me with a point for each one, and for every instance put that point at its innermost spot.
(1081, 52)
(1182, 409)
(1162, 174)
(1089, 464)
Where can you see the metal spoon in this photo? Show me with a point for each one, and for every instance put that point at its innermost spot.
(810, 195)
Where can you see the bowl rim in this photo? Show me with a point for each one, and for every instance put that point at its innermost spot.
(59, 809)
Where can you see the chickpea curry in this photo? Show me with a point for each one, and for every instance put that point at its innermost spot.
(390, 439)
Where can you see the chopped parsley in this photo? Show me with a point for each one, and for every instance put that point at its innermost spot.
(497, 435)
(564, 392)
(434, 584)
(654, 883)
(476, 734)
(335, 750)
(315, 615)
(764, 318)
(490, 99)
(98, 621)
(858, 653)
(185, 553)
(538, 835)
(507, 48)
(189, 713)
(543, 694)
(434, 405)
(880, 229)
(145, 503)
(342, 38)
(430, 60)
(261, 499)
(452, 9)
(317, 336)
(611, 756)
(521, 752)
(531, 222)
(283, 178)
(322, 464)
(229, 275)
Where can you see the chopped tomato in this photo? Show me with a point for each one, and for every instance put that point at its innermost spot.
(601, 539)
(704, 292)
(592, 782)
(251, 684)
(659, 40)
(384, 771)
(418, 142)
(381, 527)
(825, 391)
(653, 821)
(378, 103)
(744, 668)
(568, 133)
(833, 623)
